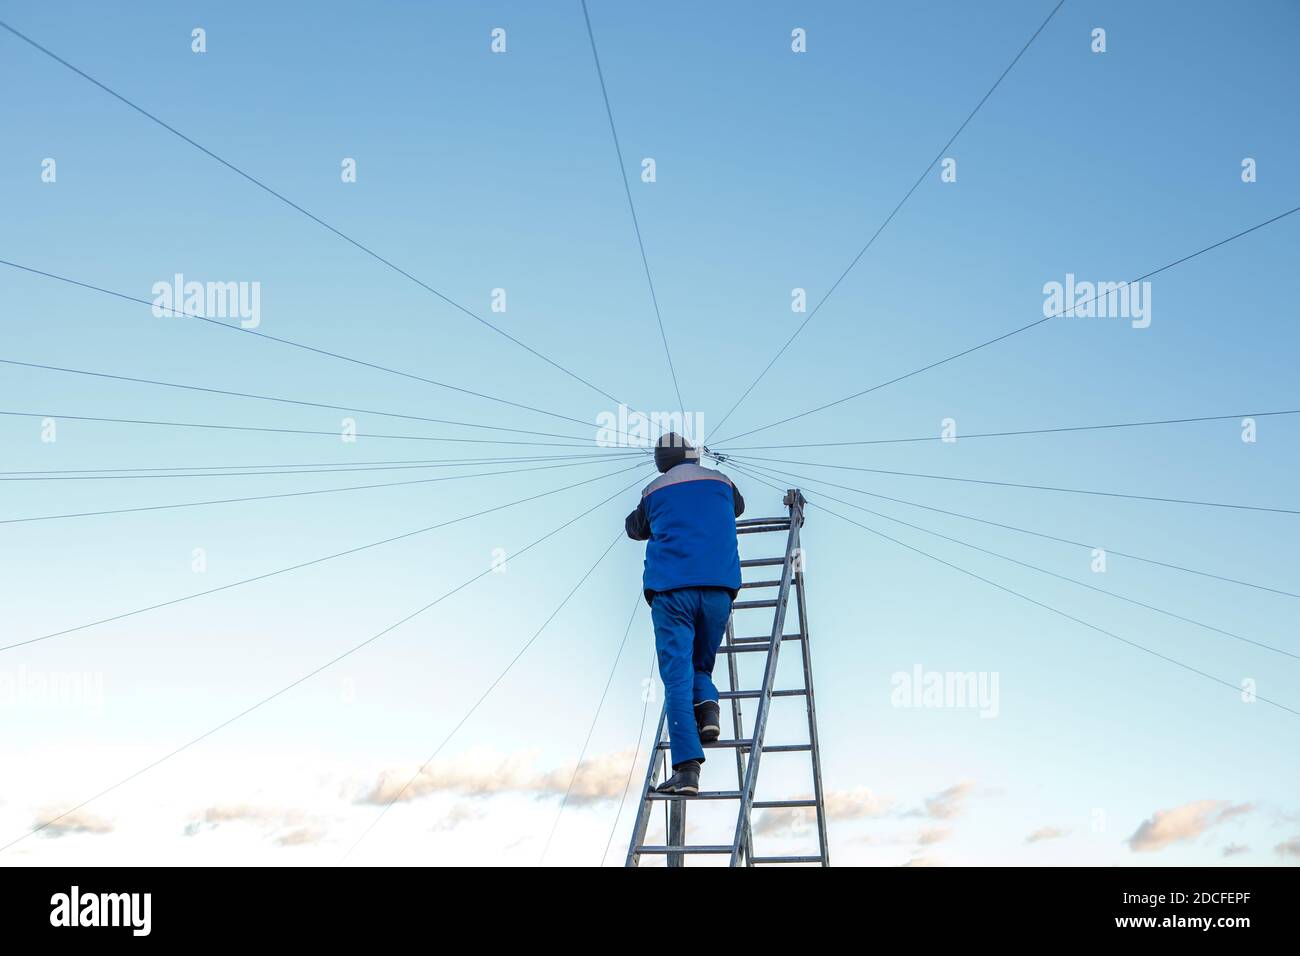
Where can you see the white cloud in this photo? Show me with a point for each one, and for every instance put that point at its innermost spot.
(56, 824)
(287, 826)
(933, 835)
(946, 803)
(854, 804)
(1290, 847)
(230, 813)
(301, 836)
(484, 774)
(840, 805)
(1180, 824)
(1047, 833)
(463, 811)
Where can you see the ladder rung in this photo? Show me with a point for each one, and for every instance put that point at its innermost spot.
(747, 605)
(746, 745)
(760, 584)
(785, 859)
(763, 528)
(754, 522)
(762, 562)
(766, 639)
(702, 795)
(782, 804)
(699, 848)
(744, 648)
(755, 694)
(716, 745)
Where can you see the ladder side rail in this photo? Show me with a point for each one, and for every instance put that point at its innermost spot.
(737, 720)
(651, 779)
(765, 696)
(668, 810)
(811, 705)
(676, 831)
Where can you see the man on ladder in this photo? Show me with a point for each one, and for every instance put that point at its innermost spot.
(692, 574)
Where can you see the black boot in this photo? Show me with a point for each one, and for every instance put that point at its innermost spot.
(708, 718)
(684, 781)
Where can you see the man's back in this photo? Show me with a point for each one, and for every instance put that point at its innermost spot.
(688, 516)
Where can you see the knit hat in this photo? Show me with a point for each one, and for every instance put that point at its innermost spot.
(672, 450)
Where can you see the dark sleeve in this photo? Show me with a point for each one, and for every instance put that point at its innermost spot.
(738, 499)
(638, 523)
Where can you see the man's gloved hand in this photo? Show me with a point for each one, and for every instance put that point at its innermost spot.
(637, 524)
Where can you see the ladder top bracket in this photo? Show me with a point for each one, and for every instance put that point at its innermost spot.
(794, 500)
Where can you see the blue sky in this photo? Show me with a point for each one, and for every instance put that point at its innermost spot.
(479, 171)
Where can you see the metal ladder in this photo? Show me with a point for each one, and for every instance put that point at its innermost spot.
(748, 750)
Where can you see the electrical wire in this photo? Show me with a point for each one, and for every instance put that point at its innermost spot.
(636, 755)
(298, 345)
(1069, 580)
(306, 564)
(1007, 434)
(290, 494)
(282, 401)
(270, 697)
(631, 206)
(482, 697)
(286, 431)
(582, 754)
(1036, 534)
(894, 212)
(319, 468)
(1047, 607)
(1006, 335)
(312, 216)
(1013, 484)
